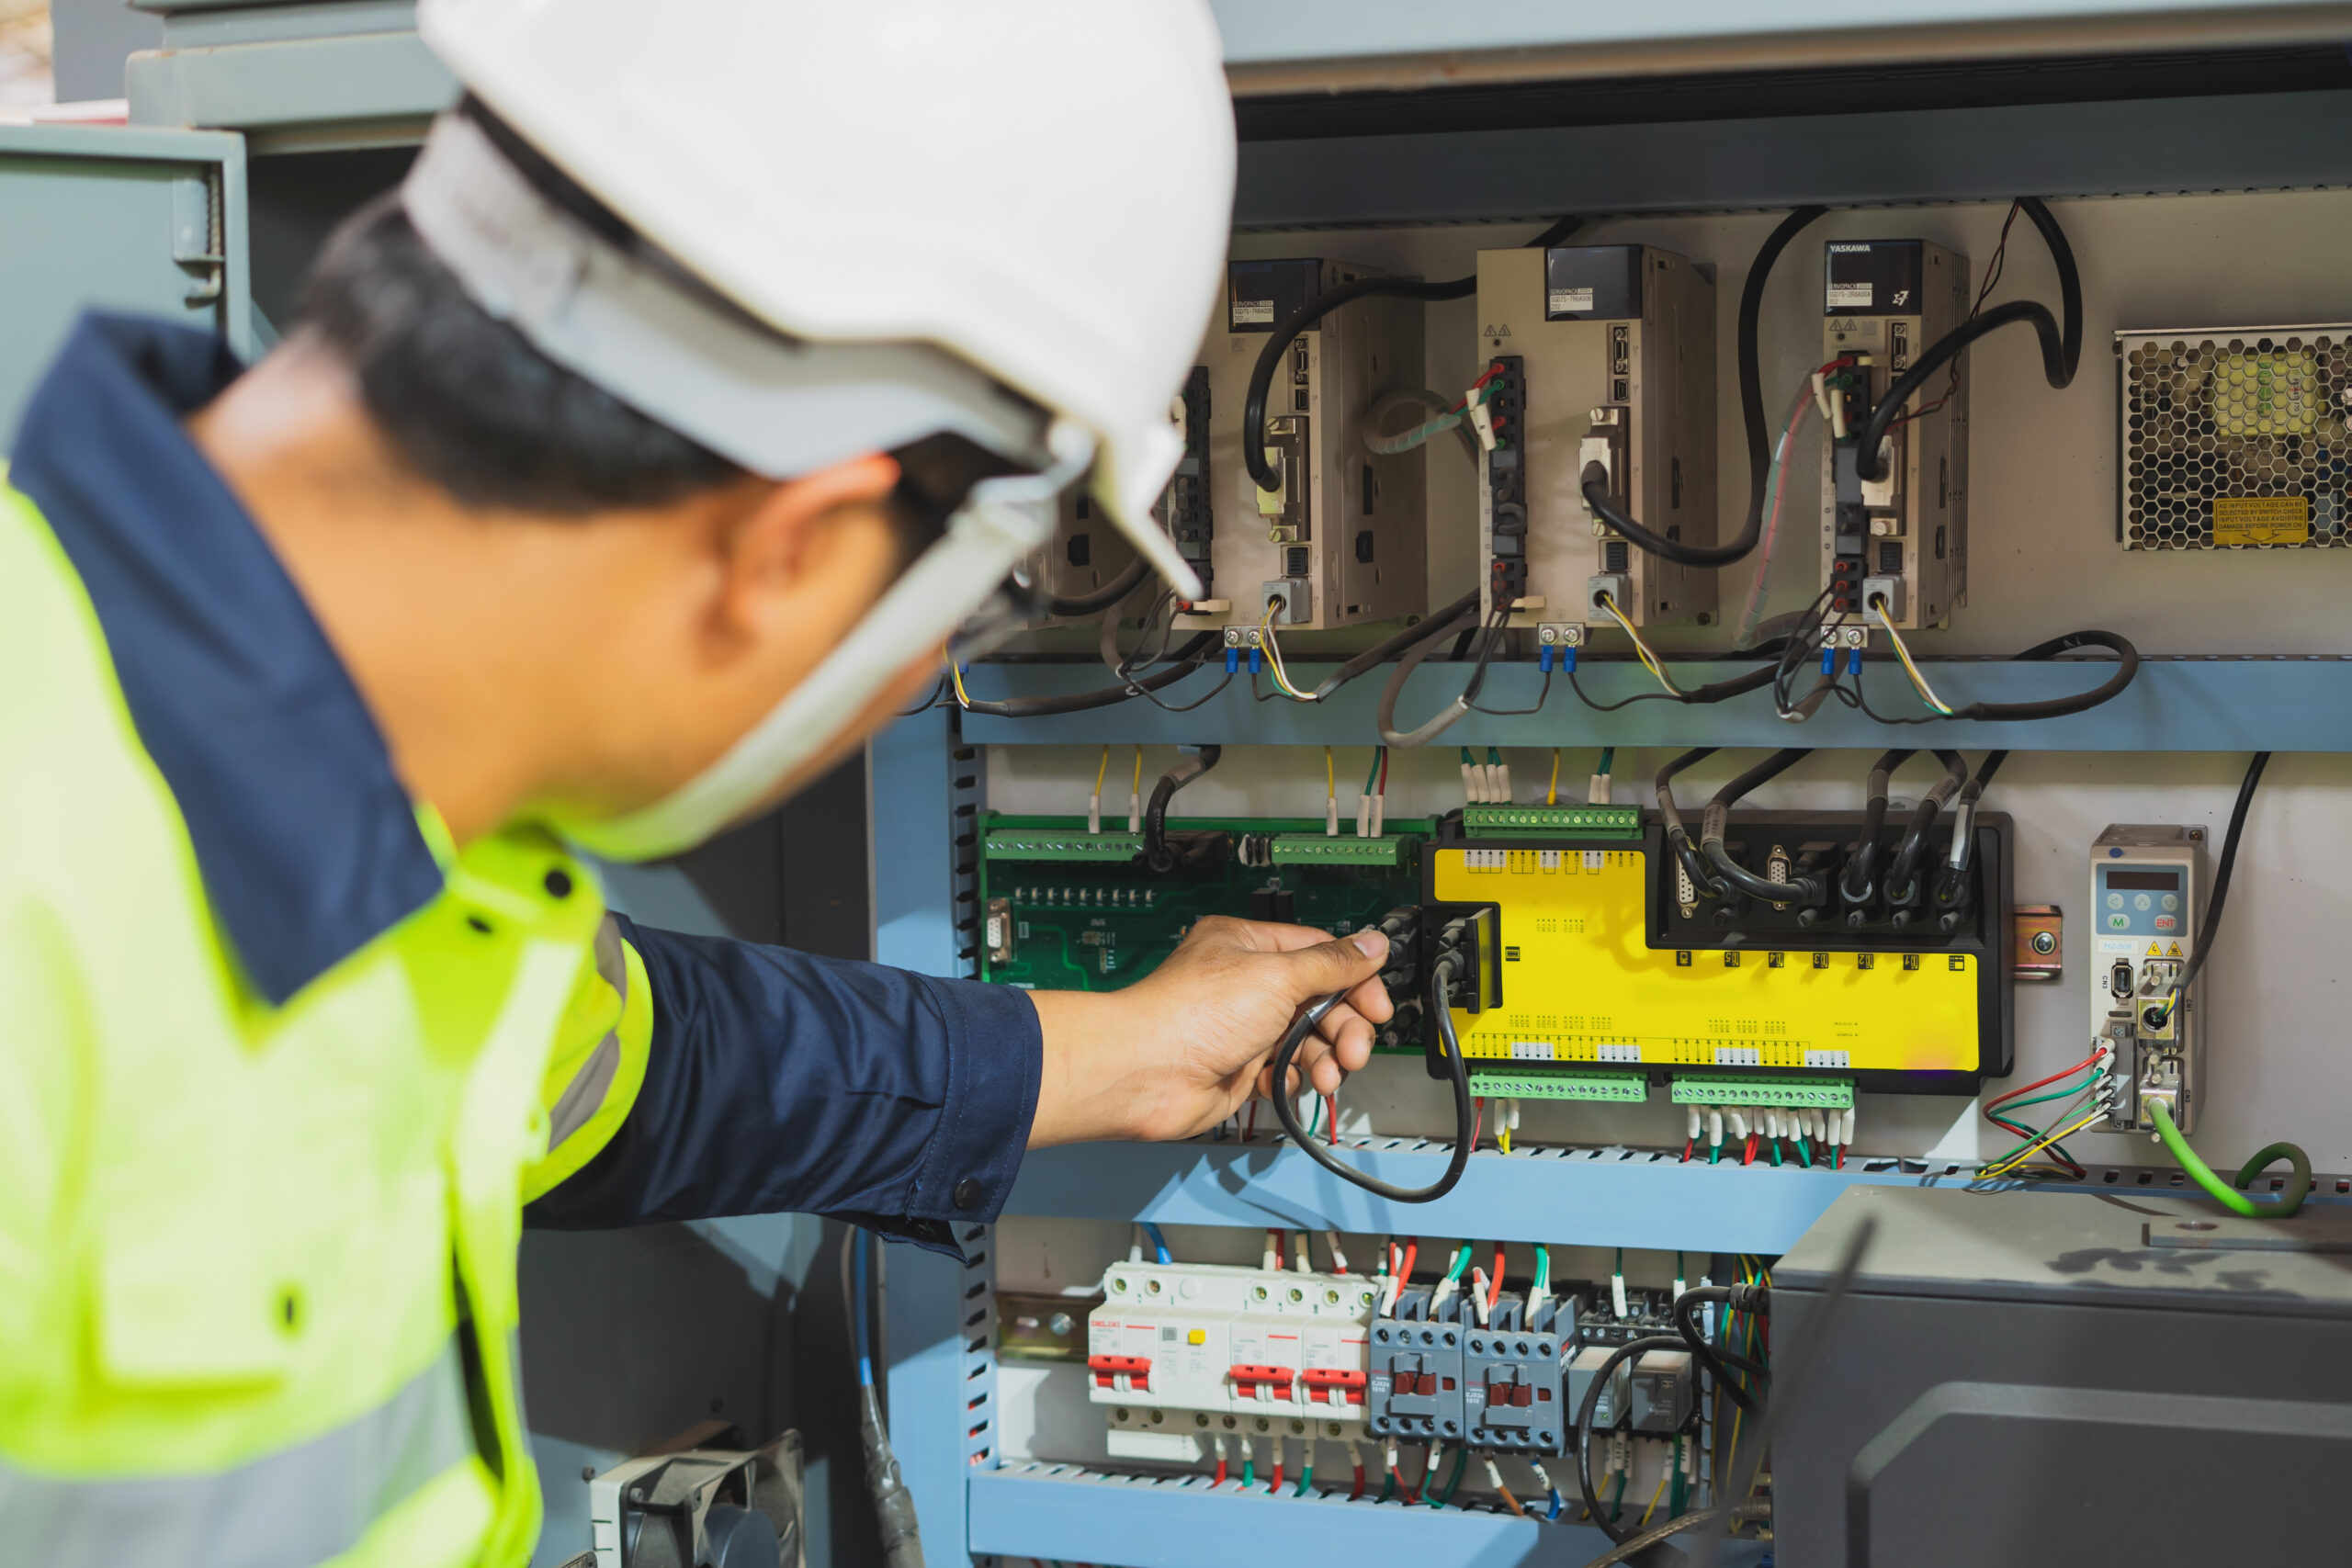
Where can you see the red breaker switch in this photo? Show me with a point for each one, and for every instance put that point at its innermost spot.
(1257, 1381)
(1331, 1386)
(1109, 1370)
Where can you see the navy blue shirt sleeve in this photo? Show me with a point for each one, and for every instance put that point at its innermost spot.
(779, 1082)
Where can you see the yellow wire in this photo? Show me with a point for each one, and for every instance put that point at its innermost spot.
(1552, 796)
(1663, 1477)
(1642, 649)
(2040, 1144)
(1330, 777)
(956, 673)
(1137, 788)
(1918, 681)
(1101, 773)
(1274, 656)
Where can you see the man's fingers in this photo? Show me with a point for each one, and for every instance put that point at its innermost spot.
(1342, 965)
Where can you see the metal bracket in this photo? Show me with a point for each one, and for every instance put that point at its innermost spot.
(2037, 933)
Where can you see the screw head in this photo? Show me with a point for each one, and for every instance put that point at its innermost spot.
(2045, 943)
(1059, 1324)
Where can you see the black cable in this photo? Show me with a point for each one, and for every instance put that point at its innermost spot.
(2127, 665)
(1903, 871)
(1464, 1126)
(1686, 1323)
(1542, 695)
(1191, 762)
(1678, 838)
(1860, 879)
(1592, 1393)
(1269, 358)
(1797, 890)
(1791, 1370)
(1714, 692)
(1187, 659)
(938, 690)
(1431, 626)
(1751, 407)
(2211, 926)
(1102, 598)
(1954, 881)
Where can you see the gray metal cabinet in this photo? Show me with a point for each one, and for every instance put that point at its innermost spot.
(122, 218)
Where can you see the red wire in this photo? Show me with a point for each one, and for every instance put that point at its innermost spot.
(2063, 1073)
(1476, 1123)
(1839, 1163)
(1276, 1483)
(1412, 1251)
(1687, 1144)
(1495, 1285)
(1749, 1157)
(1413, 1492)
(1331, 1114)
(1382, 787)
(1220, 1475)
(1359, 1488)
(1276, 1238)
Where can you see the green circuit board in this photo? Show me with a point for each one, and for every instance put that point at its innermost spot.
(1064, 909)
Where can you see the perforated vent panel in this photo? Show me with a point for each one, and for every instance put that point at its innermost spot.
(2236, 439)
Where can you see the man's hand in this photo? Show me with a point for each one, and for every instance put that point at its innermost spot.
(1184, 1047)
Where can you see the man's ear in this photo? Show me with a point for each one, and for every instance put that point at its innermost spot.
(794, 537)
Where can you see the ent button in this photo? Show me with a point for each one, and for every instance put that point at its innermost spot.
(967, 1193)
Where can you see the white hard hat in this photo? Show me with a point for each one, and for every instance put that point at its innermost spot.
(819, 230)
(1041, 188)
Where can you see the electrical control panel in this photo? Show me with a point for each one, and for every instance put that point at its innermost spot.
(1600, 359)
(1616, 973)
(1343, 539)
(2146, 895)
(1183, 1354)
(1901, 540)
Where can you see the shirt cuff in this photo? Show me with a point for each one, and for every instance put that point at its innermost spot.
(996, 1063)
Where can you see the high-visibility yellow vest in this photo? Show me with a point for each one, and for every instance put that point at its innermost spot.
(257, 1287)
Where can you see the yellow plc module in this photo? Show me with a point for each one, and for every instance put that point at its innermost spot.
(1602, 966)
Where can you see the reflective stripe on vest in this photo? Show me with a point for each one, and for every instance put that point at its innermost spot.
(299, 1506)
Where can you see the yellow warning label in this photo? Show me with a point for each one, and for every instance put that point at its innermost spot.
(2155, 949)
(2173, 952)
(2261, 520)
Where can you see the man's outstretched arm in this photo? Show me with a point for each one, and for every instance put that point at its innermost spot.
(736, 1079)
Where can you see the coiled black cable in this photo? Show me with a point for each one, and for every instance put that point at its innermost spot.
(1678, 838)
(1720, 1362)
(1751, 407)
(1860, 879)
(1102, 598)
(1465, 1123)
(1191, 764)
(1269, 358)
(1796, 890)
(2062, 348)
(2127, 665)
(1617, 1358)
(1903, 871)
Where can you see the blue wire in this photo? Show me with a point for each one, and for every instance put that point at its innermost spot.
(1556, 1506)
(862, 1246)
(1159, 1242)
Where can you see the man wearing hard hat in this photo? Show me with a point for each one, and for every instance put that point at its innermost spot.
(710, 373)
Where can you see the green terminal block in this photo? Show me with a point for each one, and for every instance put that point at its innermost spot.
(1623, 1088)
(1823, 1094)
(1552, 821)
(1061, 845)
(1326, 849)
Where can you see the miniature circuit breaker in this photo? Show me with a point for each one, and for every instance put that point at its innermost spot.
(1343, 541)
(1901, 540)
(1598, 355)
(2145, 896)
(1182, 1354)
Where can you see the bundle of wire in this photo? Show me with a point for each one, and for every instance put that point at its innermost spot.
(2001, 1111)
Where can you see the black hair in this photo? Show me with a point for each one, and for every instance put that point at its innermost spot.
(477, 410)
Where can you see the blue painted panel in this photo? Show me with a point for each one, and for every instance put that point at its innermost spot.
(1063, 1512)
(2173, 706)
(914, 864)
(940, 1387)
(2253, 141)
(1580, 1198)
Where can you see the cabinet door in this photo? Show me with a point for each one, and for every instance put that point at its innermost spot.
(124, 218)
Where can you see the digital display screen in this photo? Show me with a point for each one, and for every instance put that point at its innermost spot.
(2148, 881)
